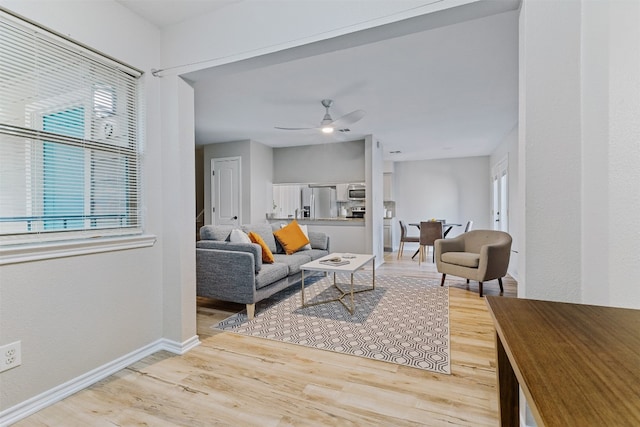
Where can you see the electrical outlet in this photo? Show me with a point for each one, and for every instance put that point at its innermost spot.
(10, 356)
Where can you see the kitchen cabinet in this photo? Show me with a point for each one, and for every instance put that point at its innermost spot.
(286, 200)
(345, 236)
(342, 193)
(388, 235)
(387, 186)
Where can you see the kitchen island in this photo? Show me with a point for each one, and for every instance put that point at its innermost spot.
(316, 221)
(345, 234)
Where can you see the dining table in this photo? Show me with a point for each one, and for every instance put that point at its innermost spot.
(446, 228)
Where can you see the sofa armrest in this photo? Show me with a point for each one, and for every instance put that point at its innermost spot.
(252, 248)
(226, 275)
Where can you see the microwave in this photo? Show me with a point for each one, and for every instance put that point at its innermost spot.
(356, 192)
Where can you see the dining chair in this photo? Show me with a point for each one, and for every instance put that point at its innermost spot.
(469, 226)
(430, 231)
(405, 238)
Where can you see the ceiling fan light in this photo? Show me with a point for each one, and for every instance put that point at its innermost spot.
(327, 129)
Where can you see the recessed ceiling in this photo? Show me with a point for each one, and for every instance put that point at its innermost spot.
(450, 90)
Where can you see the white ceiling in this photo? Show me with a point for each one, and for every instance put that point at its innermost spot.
(167, 12)
(439, 87)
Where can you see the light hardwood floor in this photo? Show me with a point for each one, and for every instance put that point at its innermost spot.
(242, 381)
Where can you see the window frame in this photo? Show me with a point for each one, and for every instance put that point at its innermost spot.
(62, 243)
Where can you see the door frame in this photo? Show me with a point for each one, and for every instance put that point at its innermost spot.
(498, 170)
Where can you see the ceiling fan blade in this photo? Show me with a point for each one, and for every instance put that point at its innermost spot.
(281, 128)
(348, 119)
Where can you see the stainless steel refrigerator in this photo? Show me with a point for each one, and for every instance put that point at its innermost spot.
(321, 201)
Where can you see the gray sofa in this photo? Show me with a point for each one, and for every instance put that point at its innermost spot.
(235, 272)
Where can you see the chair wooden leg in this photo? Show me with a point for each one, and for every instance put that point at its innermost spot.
(400, 249)
(480, 288)
(500, 283)
(467, 281)
(434, 255)
(442, 281)
(420, 254)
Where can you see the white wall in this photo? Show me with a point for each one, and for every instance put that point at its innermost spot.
(79, 313)
(178, 209)
(261, 169)
(579, 123)
(579, 152)
(623, 125)
(374, 223)
(550, 124)
(457, 190)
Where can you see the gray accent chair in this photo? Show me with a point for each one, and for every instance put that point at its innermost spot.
(479, 255)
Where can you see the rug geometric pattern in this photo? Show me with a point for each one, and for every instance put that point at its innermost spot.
(405, 320)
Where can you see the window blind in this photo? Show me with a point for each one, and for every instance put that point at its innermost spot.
(69, 139)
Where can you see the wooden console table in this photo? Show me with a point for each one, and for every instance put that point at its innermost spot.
(578, 365)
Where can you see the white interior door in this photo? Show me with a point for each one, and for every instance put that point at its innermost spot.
(226, 191)
(500, 196)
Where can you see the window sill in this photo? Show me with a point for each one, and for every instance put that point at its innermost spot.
(43, 251)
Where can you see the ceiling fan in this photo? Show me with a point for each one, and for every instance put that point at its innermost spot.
(328, 125)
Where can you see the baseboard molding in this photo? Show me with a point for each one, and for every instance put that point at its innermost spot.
(41, 401)
(180, 348)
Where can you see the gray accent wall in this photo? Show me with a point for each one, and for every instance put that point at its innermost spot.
(321, 163)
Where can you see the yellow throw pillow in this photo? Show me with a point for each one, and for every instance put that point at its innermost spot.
(291, 237)
(267, 256)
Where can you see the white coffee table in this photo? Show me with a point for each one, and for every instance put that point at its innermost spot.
(354, 265)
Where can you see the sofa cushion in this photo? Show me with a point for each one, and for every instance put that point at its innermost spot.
(275, 227)
(318, 240)
(293, 261)
(464, 259)
(271, 273)
(265, 231)
(315, 253)
(291, 237)
(239, 236)
(267, 255)
(306, 234)
(215, 232)
(303, 227)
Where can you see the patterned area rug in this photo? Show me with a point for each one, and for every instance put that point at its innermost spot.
(405, 320)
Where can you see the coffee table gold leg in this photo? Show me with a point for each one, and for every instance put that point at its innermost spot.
(302, 288)
(353, 307)
(374, 272)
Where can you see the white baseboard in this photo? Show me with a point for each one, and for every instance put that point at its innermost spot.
(56, 394)
(180, 348)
